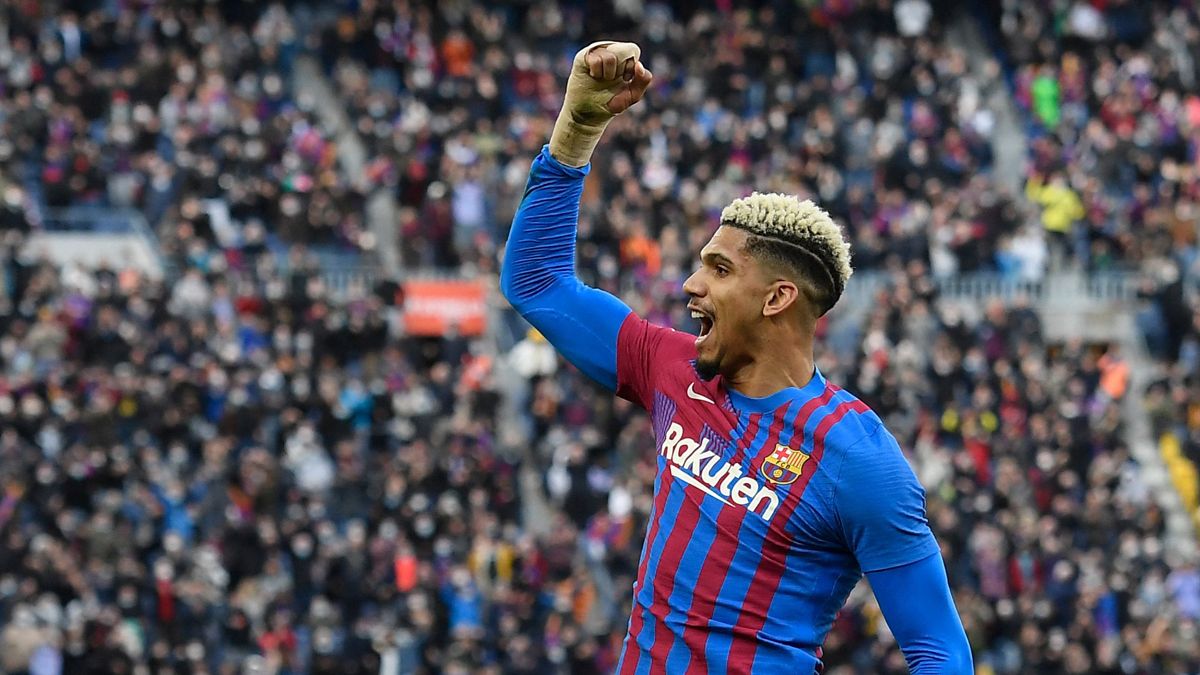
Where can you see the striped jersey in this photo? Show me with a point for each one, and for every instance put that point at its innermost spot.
(766, 513)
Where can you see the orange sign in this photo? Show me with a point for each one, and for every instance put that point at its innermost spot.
(432, 307)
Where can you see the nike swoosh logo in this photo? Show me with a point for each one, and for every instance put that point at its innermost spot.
(695, 482)
(699, 397)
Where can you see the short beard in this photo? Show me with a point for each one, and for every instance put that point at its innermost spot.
(706, 370)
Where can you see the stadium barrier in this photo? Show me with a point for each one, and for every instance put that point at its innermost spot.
(95, 220)
(1073, 288)
(90, 236)
(342, 281)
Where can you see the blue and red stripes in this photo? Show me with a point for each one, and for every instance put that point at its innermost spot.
(708, 578)
(682, 535)
(717, 585)
(747, 554)
(694, 576)
(774, 553)
(637, 618)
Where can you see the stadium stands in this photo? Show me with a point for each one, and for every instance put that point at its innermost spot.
(168, 110)
(240, 470)
(1109, 97)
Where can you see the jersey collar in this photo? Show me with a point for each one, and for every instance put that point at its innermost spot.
(771, 402)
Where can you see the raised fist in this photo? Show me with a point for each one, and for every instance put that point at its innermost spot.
(606, 79)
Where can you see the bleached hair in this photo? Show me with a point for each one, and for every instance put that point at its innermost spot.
(801, 224)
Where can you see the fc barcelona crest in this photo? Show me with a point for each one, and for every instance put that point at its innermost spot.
(783, 466)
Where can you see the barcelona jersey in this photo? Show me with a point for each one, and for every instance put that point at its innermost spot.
(767, 511)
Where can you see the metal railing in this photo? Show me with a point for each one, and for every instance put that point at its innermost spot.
(340, 270)
(1059, 287)
(342, 280)
(102, 221)
(95, 220)
(343, 276)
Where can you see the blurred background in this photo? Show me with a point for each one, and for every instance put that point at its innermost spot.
(264, 411)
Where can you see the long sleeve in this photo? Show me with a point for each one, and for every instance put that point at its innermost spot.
(538, 275)
(916, 602)
(881, 508)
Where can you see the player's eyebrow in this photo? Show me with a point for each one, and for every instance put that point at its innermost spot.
(715, 258)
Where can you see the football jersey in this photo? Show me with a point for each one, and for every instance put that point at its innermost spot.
(766, 513)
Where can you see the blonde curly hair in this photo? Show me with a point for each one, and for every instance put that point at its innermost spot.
(802, 227)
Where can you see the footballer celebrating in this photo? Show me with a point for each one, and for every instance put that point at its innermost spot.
(776, 490)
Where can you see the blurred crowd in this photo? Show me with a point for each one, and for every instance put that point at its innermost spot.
(180, 110)
(862, 105)
(1053, 543)
(1109, 93)
(244, 470)
(1109, 89)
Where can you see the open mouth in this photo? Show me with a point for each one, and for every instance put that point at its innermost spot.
(706, 322)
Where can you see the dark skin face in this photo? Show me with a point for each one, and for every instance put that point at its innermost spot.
(756, 328)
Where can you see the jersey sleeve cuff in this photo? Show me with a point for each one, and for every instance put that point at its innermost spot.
(548, 166)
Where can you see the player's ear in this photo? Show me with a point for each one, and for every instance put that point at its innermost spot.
(780, 295)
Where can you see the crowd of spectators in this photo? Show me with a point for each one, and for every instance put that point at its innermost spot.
(1109, 90)
(1109, 93)
(239, 470)
(1053, 543)
(182, 111)
(862, 105)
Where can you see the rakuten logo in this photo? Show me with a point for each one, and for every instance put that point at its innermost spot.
(693, 463)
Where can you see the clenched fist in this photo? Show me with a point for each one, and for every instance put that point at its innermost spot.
(606, 79)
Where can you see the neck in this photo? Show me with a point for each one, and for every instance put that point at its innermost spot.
(782, 359)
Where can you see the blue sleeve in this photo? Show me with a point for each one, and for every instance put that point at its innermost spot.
(881, 505)
(538, 275)
(916, 602)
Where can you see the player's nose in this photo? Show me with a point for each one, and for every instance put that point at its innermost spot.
(693, 286)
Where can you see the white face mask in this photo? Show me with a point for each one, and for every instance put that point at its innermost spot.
(12, 196)
(302, 546)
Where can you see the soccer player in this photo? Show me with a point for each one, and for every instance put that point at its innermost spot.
(776, 490)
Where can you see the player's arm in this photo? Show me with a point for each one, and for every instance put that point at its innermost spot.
(881, 509)
(916, 602)
(538, 275)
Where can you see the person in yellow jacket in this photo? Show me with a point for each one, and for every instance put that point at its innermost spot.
(1061, 207)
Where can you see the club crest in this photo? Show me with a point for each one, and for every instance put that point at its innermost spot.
(783, 466)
